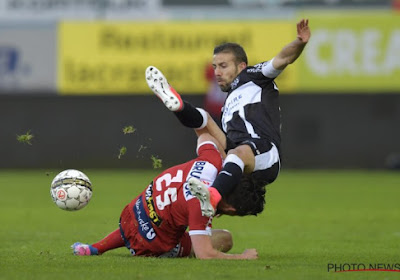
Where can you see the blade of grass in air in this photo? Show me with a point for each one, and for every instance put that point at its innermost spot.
(25, 138)
(122, 151)
(128, 129)
(157, 163)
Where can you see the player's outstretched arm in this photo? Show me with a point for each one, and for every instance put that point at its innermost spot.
(203, 249)
(293, 50)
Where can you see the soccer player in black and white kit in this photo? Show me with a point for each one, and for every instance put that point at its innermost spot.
(250, 116)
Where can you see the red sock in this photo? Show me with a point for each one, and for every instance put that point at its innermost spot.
(112, 241)
(215, 197)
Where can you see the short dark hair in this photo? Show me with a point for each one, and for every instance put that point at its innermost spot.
(234, 48)
(248, 197)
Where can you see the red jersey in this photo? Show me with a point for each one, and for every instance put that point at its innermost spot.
(156, 220)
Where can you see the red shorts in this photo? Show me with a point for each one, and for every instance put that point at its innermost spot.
(141, 247)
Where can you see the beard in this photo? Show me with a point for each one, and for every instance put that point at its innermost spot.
(225, 88)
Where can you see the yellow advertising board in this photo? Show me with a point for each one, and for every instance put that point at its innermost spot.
(111, 57)
(348, 52)
(351, 52)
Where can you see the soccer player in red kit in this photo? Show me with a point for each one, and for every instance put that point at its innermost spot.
(155, 223)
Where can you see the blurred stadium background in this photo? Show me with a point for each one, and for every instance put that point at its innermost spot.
(72, 74)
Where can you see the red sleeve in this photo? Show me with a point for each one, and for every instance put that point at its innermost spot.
(198, 224)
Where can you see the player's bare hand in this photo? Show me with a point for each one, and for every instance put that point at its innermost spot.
(250, 254)
(303, 31)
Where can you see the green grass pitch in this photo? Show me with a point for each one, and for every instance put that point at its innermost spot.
(312, 219)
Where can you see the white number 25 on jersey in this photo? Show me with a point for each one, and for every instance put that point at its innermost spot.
(169, 193)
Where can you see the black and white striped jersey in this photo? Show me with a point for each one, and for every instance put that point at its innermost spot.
(251, 109)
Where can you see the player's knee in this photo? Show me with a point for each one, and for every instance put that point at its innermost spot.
(245, 153)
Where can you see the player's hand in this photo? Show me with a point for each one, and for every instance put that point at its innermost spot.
(250, 254)
(303, 31)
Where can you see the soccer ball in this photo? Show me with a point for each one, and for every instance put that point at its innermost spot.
(71, 190)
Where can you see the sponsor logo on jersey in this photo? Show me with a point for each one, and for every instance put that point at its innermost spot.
(145, 228)
(256, 68)
(234, 101)
(186, 192)
(197, 169)
(235, 83)
(150, 206)
(231, 104)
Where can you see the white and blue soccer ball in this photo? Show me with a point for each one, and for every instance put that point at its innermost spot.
(71, 190)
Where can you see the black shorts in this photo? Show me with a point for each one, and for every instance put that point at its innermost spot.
(267, 161)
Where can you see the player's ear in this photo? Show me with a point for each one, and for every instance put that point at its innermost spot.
(242, 65)
(225, 208)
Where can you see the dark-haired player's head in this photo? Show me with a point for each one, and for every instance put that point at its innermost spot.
(228, 61)
(248, 198)
(233, 48)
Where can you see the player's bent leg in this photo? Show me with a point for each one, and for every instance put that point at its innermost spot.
(159, 85)
(81, 249)
(213, 129)
(221, 240)
(200, 190)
